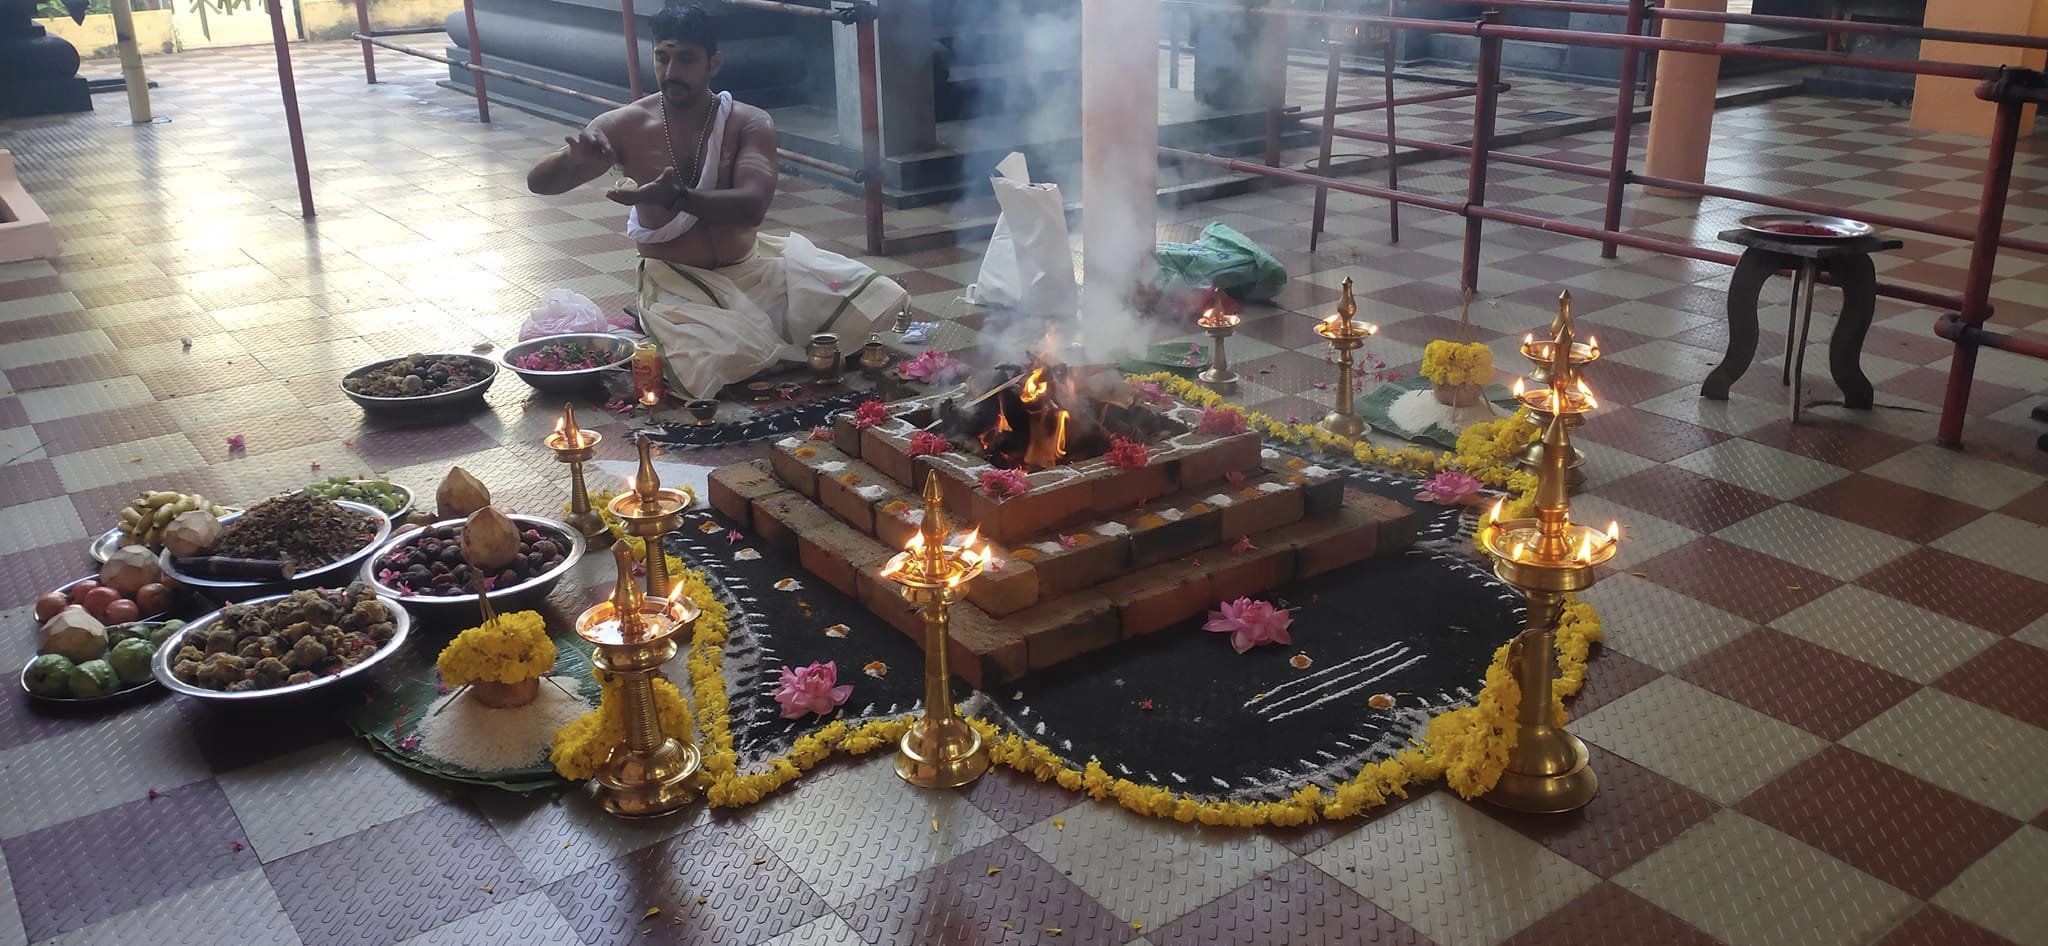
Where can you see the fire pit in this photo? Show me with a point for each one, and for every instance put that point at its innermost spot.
(1038, 417)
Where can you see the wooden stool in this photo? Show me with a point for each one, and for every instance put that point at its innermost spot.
(1848, 261)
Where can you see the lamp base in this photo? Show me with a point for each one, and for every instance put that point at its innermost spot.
(651, 784)
(1344, 425)
(1555, 777)
(587, 522)
(945, 753)
(1218, 380)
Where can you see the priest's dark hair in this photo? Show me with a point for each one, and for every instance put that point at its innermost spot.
(685, 23)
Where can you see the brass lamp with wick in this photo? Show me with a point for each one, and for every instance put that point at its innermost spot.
(575, 446)
(940, 750)
(1546, 558)
(633, 634)
(648, 511)
(1545, 370)
(1220, 325)
(1345, 335)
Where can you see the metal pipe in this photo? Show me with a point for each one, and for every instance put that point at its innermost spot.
(770, 6)
(1951, 327)
(1561, 6)
(369, 52)
(805, 160)
(476, 58)
(1808, 206)
(1390, 101)
(407, 31)
(1833, 27)
(1329, 117)
(490, 71)
(870, 131)
(1624, 116)
(1393, 166)
(1483, 108)
(632, 29)
(1504, 157)
(1976, 307)
(289, 91)
(1303, 177)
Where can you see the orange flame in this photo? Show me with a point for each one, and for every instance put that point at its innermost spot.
(1493, 515)
(1034, 387)
(1059, 440)
(1584, 553)
(1593, 342)
(916, 543)
(1587, 393)
(1613, 531)
(1519, 386)
(650, 398)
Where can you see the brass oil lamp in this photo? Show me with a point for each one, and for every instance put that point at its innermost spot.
(575, 446)
(1560, 390)
(1220, 325)
(648, 511)
(632, 635)
(1345, 335)
(940, 750)
(1546, 559)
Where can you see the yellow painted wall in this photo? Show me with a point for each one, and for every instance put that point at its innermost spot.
(1952, 105)
(336, 19)
(95, 37)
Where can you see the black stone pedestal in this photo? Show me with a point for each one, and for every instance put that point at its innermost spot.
(38, 72)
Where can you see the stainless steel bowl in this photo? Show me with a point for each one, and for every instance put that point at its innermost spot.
(468, 396)
(338, 571)
(112, 541)
(71, 701)
(581, 379)
(396, 517)
(160, 665)
(1839, 228)
(528, 592)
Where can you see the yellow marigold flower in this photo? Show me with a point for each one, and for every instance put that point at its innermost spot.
(513, 648)
(1446, 362)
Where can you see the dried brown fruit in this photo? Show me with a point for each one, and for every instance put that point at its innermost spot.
(192, 533)
(490, 539)
(460, 494)
(128, 569)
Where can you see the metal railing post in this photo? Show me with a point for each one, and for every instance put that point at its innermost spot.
(290, 92)
(476, 58)
(1328, 137)
(1483, 108)
(1624, 119)
(369, 52)
(632, 30)
(1976, 308)
(870, 128)
(1393, 166)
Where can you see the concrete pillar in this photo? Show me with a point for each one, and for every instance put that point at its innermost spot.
(1119, 150)
(903, 38)
(1682, 116)
(1951, 105)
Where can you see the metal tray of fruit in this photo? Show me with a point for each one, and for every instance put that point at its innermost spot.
(113, 540)
(160, 664)
(467, 396)
(65, 590)
(1805, 227)
(120, 695)
(396, 516)
(618, 348)
(337, 572)
(512, 597)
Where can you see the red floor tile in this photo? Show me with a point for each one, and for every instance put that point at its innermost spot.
(1830, 441)
(1647, 435)
(2033, 506)
(1609, 915)
(1612, 676)
(1687, 498)
(2009, 677)
(1895, 508)
(92, 431)
(26, 481)
(52, 374)
(1296, 904)
(1000, 892)
(1635, 812)
(1899, 829)
(1970, 591)
(1289, 372)
(1934, 926)
(1775, 673)
(1735, 579)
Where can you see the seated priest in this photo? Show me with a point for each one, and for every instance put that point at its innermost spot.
(724, 300)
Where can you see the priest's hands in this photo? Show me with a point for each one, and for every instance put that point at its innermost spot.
(590, 145)
(664, 191)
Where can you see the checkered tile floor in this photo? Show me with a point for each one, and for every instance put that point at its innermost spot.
(1819, 719)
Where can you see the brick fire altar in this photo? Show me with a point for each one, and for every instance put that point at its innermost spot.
(1093, 553)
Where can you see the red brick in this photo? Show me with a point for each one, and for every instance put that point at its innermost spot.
(845, 436)
(891, 528)
(1209, 462)
(982, 651)
(889, 452)
(841, 493)
(1237, 574)
(1065, 627)
(777, 518)
(1322, 488)
(1015, 517)
(1125, 488)
(1254, 509)
(1170, 529)
(1009, 589)
(881, 596)
(1098, 557)
(1321, 545)
(1159, 597)
(734, 488)
(836, 554)
(1397, 522)
(796, 463)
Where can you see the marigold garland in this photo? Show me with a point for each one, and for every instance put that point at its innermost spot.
(1468, 747)
(1447, 363)
(513, 648)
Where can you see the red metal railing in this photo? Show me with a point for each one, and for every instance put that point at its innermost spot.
(859, 14)
(2010, 88)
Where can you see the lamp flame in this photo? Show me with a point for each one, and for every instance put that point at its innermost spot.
(1059, 441)
(1613, 531)
(1584, 553)
(1587, 393)
(1519, 387)
(650, 398)
(1493, 515)
(1034, 388)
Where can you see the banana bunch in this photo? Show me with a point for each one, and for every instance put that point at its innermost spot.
(144, 518)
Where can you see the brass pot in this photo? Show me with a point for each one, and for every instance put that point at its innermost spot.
(1457, 395)
(505, 695)
(825, 357)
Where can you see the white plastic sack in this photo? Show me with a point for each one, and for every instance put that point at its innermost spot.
(1029, 264)
(562, 312)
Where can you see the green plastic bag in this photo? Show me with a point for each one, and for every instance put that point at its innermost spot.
(1223, 258)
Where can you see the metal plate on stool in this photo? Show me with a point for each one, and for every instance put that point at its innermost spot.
(1799, 226)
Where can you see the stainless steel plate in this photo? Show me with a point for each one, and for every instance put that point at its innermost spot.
(1839, 228)
(620, 350)
(118, 695)
(338, 570)
(530, 590)
(471, 395)
(161, 665)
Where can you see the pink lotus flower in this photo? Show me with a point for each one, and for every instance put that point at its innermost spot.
(1250, 622)
(811, 689)
(1450, 488)
(1003, 484)
(932, 367)
(870, 413)
(1222, 421)
(924, 443)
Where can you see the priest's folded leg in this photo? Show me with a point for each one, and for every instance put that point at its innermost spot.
(722, 326)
